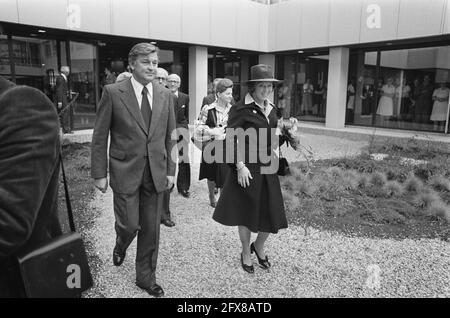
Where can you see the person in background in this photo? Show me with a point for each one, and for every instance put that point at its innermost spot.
(62, 94)
(251, 197)
(308, 90)
(29, 178)
(440, 106)
(210, 98)
(211, 126)
(182, 119)
(161, 76)
(110, 76)
(166, 219)
(123, 76)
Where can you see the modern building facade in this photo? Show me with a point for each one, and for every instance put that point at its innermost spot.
(381, 63)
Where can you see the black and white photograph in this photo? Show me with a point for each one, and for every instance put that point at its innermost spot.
(224, 154)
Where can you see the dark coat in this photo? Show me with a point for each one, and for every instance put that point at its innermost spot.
(182, 110)
(29, 177)
(61, 91)
(260, 206)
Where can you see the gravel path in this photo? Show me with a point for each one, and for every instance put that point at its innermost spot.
(200, 258)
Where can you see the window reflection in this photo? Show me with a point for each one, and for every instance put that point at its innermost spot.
(303, 92)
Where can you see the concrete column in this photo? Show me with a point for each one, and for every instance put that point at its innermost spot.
(198, 79)
(337, 87)
(268, 59)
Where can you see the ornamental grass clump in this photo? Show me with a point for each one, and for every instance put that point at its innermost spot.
(350, 180)
(378, 179)
(412, 184)
(440, 183)
(335, 173)
(440, 209)
(363, 181)
(393, 189)
(426, 198)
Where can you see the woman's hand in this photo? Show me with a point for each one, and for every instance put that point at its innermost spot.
(244, 176)
(216, 132)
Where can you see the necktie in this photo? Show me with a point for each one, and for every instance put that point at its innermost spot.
(145, 108)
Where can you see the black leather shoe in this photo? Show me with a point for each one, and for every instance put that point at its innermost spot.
(154, 290)
(185, 193)
(168, 223)
(248, 268)
(118, 257)
(263, 263)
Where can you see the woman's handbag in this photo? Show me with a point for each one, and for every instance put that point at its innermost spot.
(283, 166)
(201, 141)
(59, 268)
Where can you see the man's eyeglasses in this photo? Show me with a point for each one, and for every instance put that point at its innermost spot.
(173, 81)
(161, 78)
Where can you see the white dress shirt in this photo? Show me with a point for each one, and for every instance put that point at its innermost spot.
(138, 91)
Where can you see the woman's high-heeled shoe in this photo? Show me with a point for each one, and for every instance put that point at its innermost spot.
(263, 263)
(248, 268)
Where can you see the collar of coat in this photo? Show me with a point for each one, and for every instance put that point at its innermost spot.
(249, 102)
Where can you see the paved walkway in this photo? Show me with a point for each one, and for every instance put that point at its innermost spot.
(200, 258)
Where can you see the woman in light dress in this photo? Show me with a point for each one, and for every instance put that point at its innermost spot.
(440, 105)
(386, 103)
(308, 90)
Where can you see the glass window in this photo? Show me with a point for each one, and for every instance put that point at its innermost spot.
(403, 89)
(36, 63)
(82, 84)
(5, 68)
(303, 91)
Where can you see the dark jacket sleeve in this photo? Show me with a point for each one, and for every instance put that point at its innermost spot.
(60, 90)
(234, 133)
(186, 110)
(99, 160)
(171, 137)
(29, 153)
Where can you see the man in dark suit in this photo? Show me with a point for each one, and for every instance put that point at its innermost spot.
(181, 104)
(29, 177)
(62, 95)
(161, 79)
(182, 119)
(139, 116)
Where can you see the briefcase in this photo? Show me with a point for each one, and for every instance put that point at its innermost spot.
(59, 268)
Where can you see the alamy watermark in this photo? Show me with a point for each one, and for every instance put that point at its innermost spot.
(254, 146)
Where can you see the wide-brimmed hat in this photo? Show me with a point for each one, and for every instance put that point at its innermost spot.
(261, 73)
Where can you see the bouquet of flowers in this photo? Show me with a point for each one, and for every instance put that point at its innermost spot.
(287, 133)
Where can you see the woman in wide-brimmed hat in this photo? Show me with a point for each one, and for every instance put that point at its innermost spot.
(251, 197)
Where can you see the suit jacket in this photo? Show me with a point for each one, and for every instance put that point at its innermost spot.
(182, 110)
(29, 177)
(131, 144)
(61, 89)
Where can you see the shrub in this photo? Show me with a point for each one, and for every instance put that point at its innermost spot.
(426, 198)
(292, 202)
(393, 189)
(440, 183)
(350, 180)
(363, 181)
(306, 188)
(412, 184)
(378, 179)
(335, 173)
(288, 183)
(440, 209)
